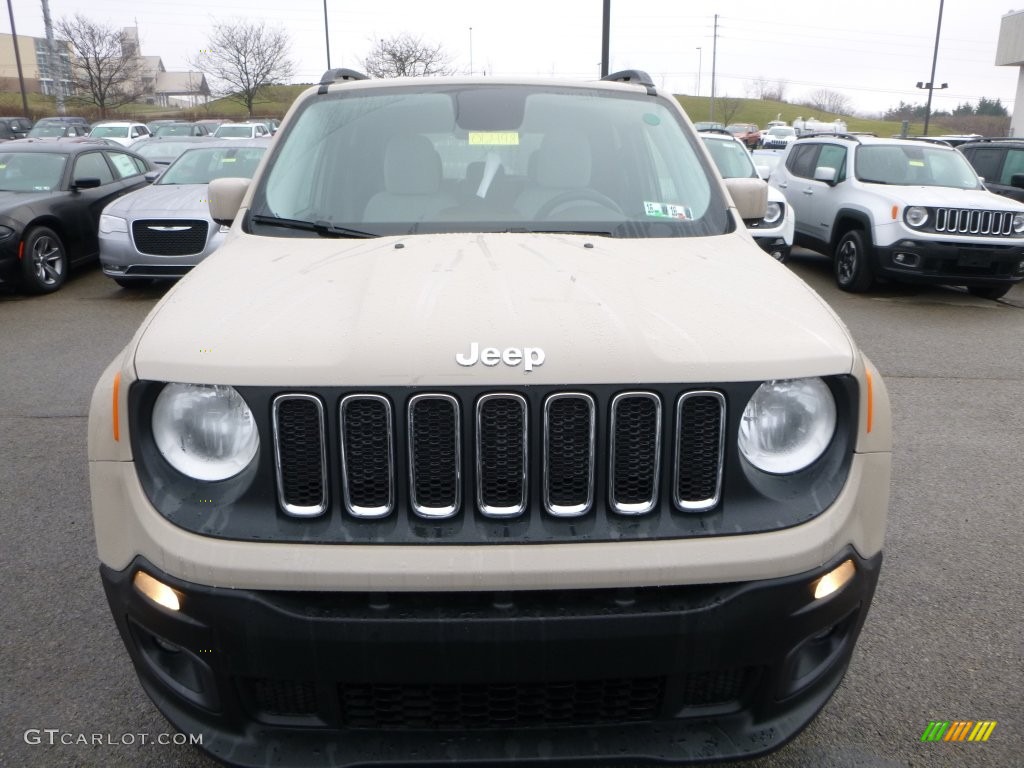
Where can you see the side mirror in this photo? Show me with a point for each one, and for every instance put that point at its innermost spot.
(152, 176)
(87, 183)
(226, 197)
(750, 196)
(828, 175)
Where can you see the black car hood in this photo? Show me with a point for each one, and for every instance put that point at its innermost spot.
(12, 200)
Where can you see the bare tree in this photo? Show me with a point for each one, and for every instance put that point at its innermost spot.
(105, 68)
(407, 56)
(243, 58)
(829, 101)
(727, 107)
(766, 91)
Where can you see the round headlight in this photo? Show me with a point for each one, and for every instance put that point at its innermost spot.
(773, 214)
(204, 431)
(916, 216)
(787, 425)
(1018, 223)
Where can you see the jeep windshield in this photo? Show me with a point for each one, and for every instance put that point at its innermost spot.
(918, 165)
(487, 158)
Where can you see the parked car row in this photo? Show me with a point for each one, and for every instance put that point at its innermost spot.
(65, 201)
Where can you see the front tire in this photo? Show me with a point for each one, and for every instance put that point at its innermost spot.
(989, 291)
(852, 263)
(44, 263)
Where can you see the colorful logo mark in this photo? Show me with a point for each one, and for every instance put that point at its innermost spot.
(958, 730)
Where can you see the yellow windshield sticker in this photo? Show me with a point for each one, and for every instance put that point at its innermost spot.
(227, 159)
(917, 163)
(494, 138)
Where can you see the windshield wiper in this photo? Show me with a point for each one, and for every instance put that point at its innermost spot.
(322, 228)
(561, 231)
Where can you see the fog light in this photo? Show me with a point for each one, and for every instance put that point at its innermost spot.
(834, 580)
(907, 259)
(1020, 268)
(157, 591)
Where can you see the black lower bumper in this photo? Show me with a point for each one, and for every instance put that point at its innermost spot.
(935, 262)
(659, 675)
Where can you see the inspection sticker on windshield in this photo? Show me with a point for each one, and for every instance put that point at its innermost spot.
(494, 138)
(667, 210)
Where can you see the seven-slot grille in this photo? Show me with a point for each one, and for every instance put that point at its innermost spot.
(170, 237)
(966, 221)
(497, 457)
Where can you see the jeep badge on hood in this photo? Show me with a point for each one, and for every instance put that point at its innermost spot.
(530, 357)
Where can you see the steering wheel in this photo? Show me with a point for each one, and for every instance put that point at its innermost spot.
(572, 195)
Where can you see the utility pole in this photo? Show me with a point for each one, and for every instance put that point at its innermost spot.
(714, 65)
(56, 68)
(470, 51)
(605, 23)
(700, 55)
(931, 84)
(17, 59)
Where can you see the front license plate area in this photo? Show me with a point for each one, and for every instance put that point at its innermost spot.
(967, 258)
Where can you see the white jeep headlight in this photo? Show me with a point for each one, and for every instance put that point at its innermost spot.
(787, 425)
(110, 224)
(773, 214)
(204, 431)
(916, 216)
(1018, 223)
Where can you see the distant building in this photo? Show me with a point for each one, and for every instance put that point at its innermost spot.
(44, 73)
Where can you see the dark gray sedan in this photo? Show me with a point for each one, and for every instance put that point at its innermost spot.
(164, 230)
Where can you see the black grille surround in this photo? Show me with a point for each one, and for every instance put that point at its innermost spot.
(971, 221)
(749, 501)
(170, 237)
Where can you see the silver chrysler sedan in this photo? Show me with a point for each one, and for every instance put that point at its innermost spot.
(164, 230)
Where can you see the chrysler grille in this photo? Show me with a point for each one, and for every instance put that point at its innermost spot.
(966, 221)
(170, 237)
(499, 453)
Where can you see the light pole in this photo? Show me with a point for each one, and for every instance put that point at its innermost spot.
(700, 55)
(930, 85)
(327, 36)
(17, 59)
(470, 51)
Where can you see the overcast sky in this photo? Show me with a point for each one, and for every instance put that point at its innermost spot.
(873, 51)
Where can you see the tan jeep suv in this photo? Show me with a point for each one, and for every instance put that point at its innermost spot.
(489, 436)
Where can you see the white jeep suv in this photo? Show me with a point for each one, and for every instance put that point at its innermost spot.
(902, 210)
(489, 436)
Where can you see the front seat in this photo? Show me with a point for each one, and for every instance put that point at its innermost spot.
(561, 163)
(412, 183)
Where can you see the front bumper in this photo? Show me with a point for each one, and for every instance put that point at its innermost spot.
(651, 674)
(120, 258)
(969, 264)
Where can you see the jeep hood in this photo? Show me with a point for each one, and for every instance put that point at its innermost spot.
(396, 311)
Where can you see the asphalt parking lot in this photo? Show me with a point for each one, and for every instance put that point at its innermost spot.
(944, 640)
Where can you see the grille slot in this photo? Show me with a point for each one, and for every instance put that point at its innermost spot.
(569, 445)
(281, 697)
(300, 454)
(966, 221)
(367, 455)
(635, 452)
(170, 237)
(435, 455)
(501, 454)
(500, 705)
(700, 447)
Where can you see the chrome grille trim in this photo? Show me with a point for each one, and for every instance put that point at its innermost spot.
(633, 508)
(367, 512)
(297, 510)
(698, 505)
(968, 221)
(569, 510)
(447, 510)
(511, 510)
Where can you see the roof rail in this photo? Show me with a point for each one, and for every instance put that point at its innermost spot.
(637, 76)
(847, 136)
(334, 75)
(714, 130)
